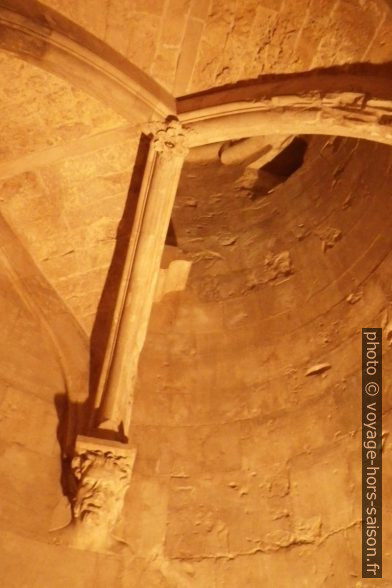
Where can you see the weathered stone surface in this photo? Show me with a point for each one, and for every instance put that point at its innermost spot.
(232, 42)
(240, 356)
(102, 473)
(39, 110)
(52, 202)
(247, 407)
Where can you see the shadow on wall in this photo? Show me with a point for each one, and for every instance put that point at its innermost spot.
(279, 169)
(107, 303)
(68, 414)
(336, 78)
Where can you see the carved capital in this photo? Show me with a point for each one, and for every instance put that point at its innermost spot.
(169, 138)
(102, 471)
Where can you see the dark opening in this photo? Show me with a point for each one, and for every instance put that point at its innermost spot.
(288, 160)
(277, 171)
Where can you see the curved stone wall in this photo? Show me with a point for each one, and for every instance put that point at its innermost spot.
(247, 417)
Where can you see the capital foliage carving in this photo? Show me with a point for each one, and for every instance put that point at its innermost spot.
(102, 481)
(102, 472)
(169, 138)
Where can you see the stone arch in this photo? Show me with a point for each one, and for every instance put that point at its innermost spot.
(328, 103)
(45, 38)
(335, 101)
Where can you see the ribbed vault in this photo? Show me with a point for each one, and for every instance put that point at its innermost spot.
(247, 404)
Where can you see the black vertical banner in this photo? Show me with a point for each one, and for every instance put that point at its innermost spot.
(371, 453)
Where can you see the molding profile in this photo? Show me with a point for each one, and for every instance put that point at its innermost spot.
(45, 38)
(348, 105)
(167, 150)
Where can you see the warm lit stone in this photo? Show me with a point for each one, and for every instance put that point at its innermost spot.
(195, 225)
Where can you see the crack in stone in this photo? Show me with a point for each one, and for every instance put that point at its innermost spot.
(268, 548)
(340, 530)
